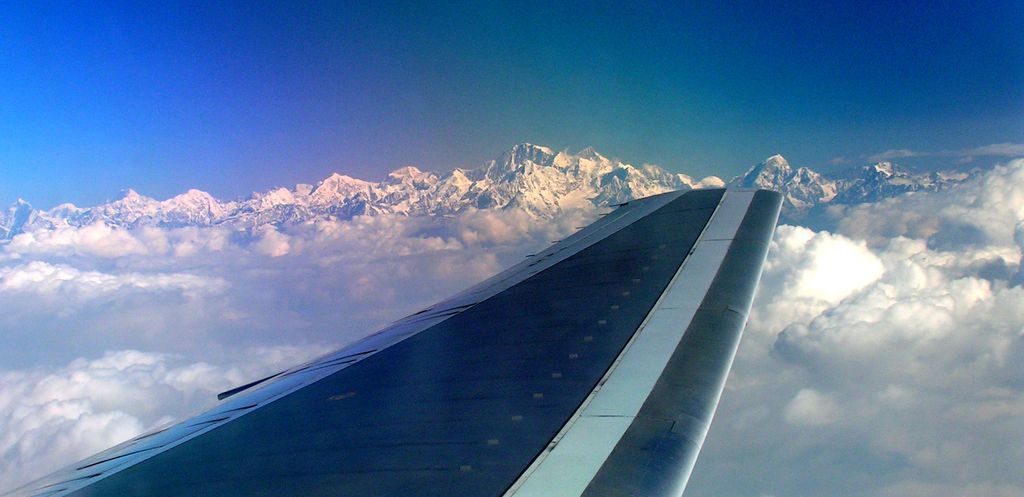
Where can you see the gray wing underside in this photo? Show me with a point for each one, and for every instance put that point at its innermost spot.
(592, 368)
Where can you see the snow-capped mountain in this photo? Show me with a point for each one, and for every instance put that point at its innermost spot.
(885, 179)
(803, 188)
(529, 177)
(16, 218)
(533, 178)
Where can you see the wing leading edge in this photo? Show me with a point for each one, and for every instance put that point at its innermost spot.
(590, 369)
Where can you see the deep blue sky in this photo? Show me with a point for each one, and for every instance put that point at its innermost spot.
(233, 98)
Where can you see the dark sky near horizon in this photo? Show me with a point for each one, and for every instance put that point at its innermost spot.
(236, 97)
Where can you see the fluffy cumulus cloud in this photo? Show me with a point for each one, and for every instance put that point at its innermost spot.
(882, 357)
(49, 418)
(981, 215)
(42, 279)
(98, 239)
(272, 242)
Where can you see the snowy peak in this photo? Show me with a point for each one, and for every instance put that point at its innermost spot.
(529, 149)
(130, 195)
(339, 182)
(590, 154)
(279, 196)
(776, 163)
(132, 198)
(191, 200)
(405, 172)
(16, 217)
(529, 177)
(883, 169)
(411, 176)
(526, 153)
(192, 207)
(775, 170)
(803, 188)
(338, 188)
(885, 179)
(541, 182)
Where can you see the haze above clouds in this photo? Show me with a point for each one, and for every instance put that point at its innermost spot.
(883, 355)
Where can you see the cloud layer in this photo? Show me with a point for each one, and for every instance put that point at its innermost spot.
(885, 359)
(111, 331)
(965, 155)
(882, 357)
(51, 418)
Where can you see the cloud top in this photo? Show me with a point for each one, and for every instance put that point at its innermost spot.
(882, 356)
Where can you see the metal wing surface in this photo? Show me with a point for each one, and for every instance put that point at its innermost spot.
(590, 369)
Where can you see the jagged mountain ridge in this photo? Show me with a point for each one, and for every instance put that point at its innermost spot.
(804, 189)
(529, 177)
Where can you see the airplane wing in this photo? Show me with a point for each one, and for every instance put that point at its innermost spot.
(590, 369)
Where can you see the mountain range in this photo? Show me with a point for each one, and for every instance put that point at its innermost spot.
(530, 177)
(804, 189)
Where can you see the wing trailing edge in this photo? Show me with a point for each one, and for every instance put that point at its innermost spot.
(640, 430)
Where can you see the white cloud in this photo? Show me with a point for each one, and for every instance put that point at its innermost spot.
(811, 408)
(202, 291)
(981, 214)
(187, 241)
(49, 418)
(102, 241)
(882, 357)
(997, 150)
(1008, 150)
(227, 302)
(903, 379)
(98, 240)
(44, 279)
(70, 287)
(271, 242)
(895, 154)
(810, 272)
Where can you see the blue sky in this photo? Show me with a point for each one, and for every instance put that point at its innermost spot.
(232, 98)
(883, 357)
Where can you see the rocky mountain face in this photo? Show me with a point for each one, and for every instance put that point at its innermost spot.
(533, 178)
